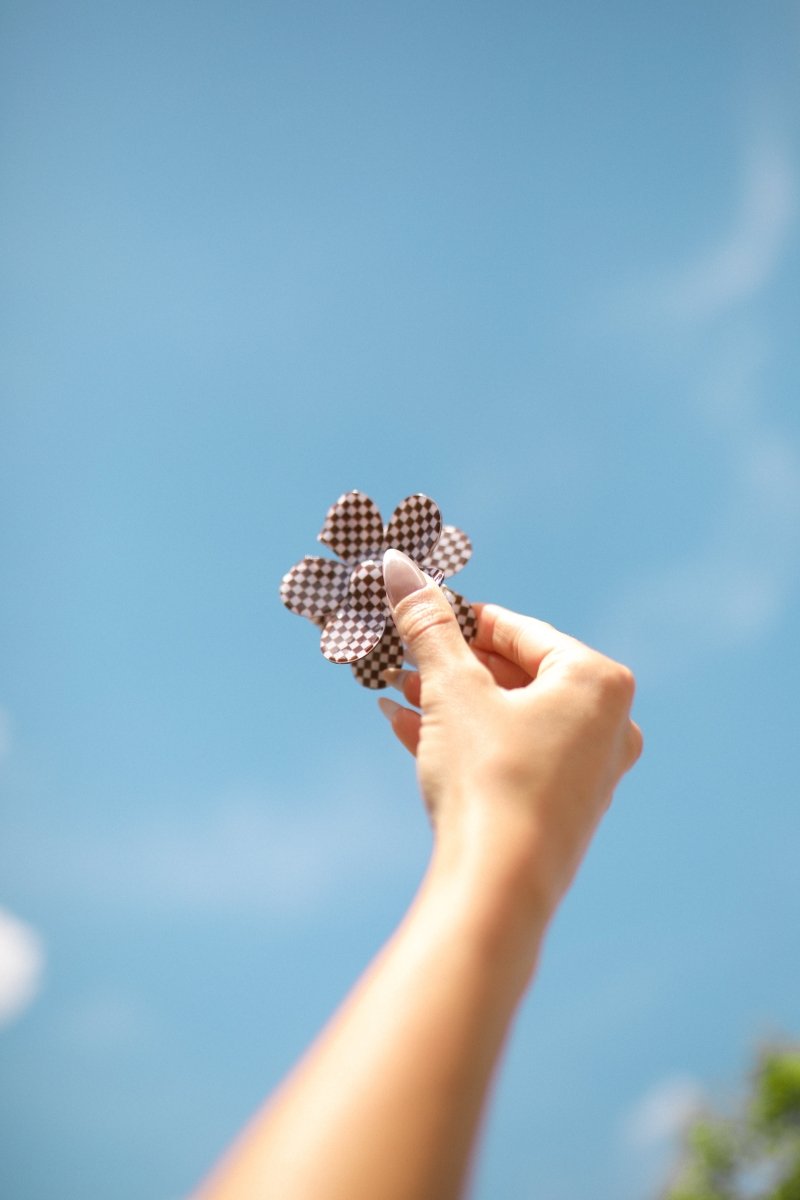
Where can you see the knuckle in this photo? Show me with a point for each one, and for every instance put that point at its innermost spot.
(617, 691)
(635, 743)
(624, 683)
(584, 666)
(614, 682)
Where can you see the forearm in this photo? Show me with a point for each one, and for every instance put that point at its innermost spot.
(387, 1102)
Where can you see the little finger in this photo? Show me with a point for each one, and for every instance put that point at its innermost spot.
(404, 721)
(407, 682)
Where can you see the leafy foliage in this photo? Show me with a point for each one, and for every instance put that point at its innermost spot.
(755, 1153)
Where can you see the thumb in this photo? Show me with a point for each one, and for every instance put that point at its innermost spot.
(424, 619)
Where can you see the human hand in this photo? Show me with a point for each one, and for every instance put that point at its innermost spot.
(520, 741)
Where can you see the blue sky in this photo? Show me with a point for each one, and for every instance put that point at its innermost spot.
(540, 263)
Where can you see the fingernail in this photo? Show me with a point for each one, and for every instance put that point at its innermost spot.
(389, 708)
(396, 677)
(401, 576)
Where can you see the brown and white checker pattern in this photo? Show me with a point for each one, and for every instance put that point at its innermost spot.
(366, 589)
(465, 613)
(452, 552)
(347, 599)
(315, 587)
(415, 527)
(388, 653)
(353, 528)
(351, 634)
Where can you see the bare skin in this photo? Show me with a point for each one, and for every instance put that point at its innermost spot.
(520, 741)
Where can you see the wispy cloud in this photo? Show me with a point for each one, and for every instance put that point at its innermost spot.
(251, 854)
(109, 1020)
(745, 258)
(663, 1113)
(248, 853)
(733, 267)
(21, 966)
(738, 584)
(650, 1131)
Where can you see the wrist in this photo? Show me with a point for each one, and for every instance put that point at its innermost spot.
(489, 886)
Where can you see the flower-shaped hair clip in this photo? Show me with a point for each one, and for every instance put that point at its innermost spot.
(347, 598)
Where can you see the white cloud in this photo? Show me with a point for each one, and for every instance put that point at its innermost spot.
(250, 853)
(650, 1131)
(109, 1020)
(21, 966)
(771, 474)
(728, 274)
(731, 270)
(743, 261)
(736, 585)
(662, 1113)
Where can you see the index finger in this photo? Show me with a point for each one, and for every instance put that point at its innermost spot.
(522, 640)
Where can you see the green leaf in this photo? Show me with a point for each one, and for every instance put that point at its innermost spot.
(777, 1099)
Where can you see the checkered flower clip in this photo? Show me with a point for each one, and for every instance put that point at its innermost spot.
(346, 598)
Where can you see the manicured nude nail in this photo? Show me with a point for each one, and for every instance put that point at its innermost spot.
(396, 678)
(401, 576)
(389, 708)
